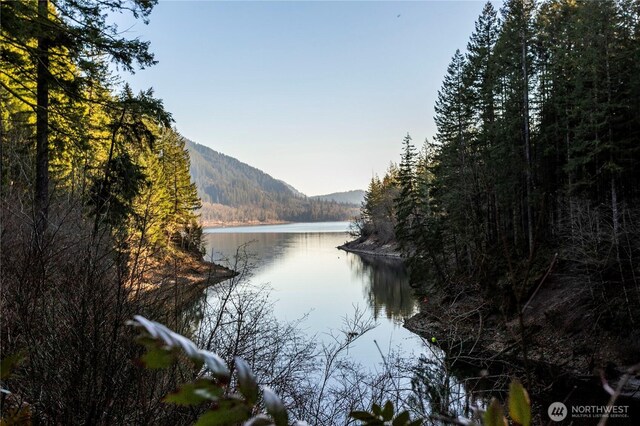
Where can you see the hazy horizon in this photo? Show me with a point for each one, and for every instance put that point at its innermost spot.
(317, 94)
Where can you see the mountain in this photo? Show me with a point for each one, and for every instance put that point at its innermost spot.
(348, 197)
(233, 192)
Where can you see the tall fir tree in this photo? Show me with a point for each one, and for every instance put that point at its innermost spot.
(407, 201)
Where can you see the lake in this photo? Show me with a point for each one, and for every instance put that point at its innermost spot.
(310, 277)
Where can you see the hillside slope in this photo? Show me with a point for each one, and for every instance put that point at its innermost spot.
(355, 196)
(234, 192)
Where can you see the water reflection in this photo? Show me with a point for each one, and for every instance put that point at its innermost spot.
(384, 281)
(385, 286)
(264, 248)
(309, 278)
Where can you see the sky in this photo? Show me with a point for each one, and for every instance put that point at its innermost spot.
(318, 94)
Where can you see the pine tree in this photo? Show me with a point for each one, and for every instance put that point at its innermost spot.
(79, 30)
(514, 51)
(482, 79)
(455, 177)
(406, 204)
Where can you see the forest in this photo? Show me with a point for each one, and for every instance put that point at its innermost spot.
(99, 231)
(524, 206)
(522, 212)
(234, 192)
(96, 204)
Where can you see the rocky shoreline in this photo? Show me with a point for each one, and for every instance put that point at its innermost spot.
(565, 349)
(372, 247)
(179, 282)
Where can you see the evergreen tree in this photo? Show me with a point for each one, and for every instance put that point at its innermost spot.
(406, 203)
(81, 31)
(514, 132)
(482, 79)
(455, 177)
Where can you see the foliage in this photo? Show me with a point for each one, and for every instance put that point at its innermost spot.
(226, 408)
(379, 207)
(384, 415)
(535, 125)
(231, 400)
(95, 191)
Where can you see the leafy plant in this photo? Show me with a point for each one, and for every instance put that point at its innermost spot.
(237, 398)
(228, 406)
(385, 415)
(519, 408)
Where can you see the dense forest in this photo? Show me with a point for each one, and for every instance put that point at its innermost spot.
(96, 203)
(234, 192)
(532, 180)
(355, 196)
(527, 197)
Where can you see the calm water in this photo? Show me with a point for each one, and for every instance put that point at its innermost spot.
(310, 276)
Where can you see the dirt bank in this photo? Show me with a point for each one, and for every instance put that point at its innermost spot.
(221, 224)
(180, 281)
(570, 354)
(372, 247)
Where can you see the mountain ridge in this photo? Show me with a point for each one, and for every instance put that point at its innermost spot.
(234, 192)
(354, 196)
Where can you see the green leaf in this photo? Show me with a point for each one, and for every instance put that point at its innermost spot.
(365, 416)
(387, 411)
(494, 416)
(157, 358)
(519, 404)
(247, 382)
(401, 419)
(9, 364)
(225, 415)
(195, 393)
(275, 407)
(375, 408)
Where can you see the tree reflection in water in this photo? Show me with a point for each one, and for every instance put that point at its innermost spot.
(386, 286)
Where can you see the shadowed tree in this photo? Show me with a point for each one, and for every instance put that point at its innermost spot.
(47, 31)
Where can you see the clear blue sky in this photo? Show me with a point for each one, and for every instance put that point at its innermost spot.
(318, 94)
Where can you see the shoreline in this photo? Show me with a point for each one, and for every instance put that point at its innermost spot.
(219, 224)
(559, 347)
(179, 282)
(555, 368)
(371, 247)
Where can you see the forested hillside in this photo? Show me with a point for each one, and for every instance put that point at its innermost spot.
(234, 192)
(348, 197)
(97, 207)
(530, 187)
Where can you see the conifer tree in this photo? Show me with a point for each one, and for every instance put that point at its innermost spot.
(81, 31)
(407, 201)
(454, 174)
(482, 80)
(514, 51)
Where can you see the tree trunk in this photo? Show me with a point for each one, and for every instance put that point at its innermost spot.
(41, 196)
(527, 141)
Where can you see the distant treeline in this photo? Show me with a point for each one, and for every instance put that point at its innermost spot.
(234, 192)
(302, 211)
(537, 151)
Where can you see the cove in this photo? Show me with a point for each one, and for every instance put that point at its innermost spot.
(309, 277)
